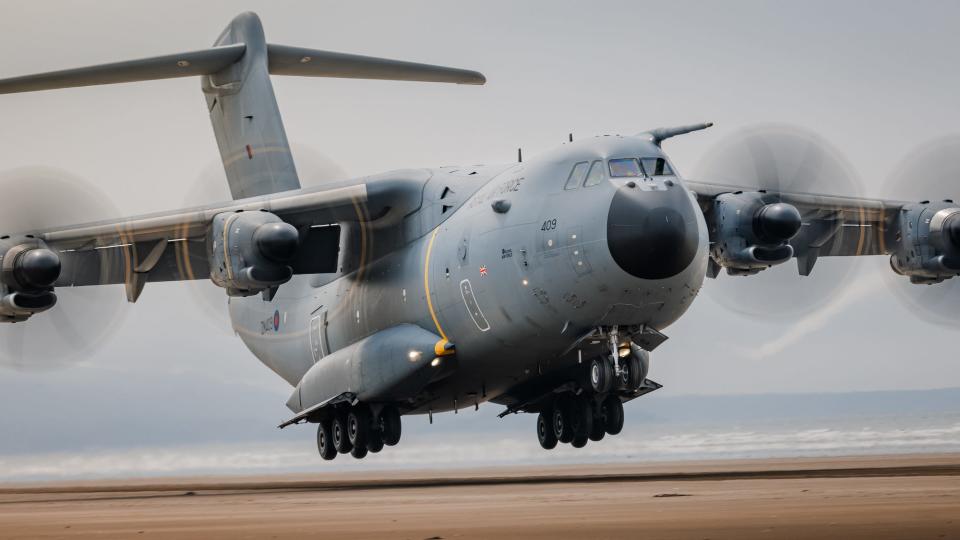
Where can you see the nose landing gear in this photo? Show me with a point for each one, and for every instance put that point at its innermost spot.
(356, 430)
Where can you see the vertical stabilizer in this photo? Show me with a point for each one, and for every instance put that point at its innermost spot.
(235, 75)
(245, 117)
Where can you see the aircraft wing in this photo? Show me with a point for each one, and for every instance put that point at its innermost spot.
(834, 226)
(176, 245)
(917, 235)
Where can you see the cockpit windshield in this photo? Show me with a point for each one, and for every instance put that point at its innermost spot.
(657, 167)
(625, 167)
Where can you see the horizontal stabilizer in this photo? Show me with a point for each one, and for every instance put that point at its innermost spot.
(284, 60)
(202, 62)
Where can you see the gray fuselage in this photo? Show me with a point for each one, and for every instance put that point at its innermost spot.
(514, 289)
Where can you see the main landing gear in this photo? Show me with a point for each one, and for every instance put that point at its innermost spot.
(593, 408)
(356, 430)
(576, 419)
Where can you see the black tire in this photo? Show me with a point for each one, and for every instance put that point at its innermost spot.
(611, 375)
(630, 373)
(325, 441)
(375, 443)
(598, 426)
(390, 425)
(582, 418)
(545, 433)
(613, 411)
(579, 441)
(562, 420)
(359, 452)
(598, 379)
(358, 426)
(340, 439)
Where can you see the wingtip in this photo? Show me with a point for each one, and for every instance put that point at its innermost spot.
(475, 78)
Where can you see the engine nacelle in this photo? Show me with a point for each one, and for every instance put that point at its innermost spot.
(927, 242)
(249, 251)
(28, 270)
(751, 231)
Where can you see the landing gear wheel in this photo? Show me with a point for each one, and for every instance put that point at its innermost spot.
(340, 439)
(582, 421)
(562, 421)
(599, 375)
(375, 443)
(613, 411)
(359, 452)
(630, 373)
(358, 426)
(325, 441)
(389, 423)
(545, 433)
(599, 423)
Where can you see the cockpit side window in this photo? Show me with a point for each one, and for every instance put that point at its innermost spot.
(595, 176)
(577, 175)
(657, 167)
(625, 167)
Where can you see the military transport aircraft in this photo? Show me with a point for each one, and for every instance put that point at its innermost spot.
(540, 285)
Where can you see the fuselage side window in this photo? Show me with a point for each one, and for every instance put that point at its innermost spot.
(625, 167)
(657, 167)
(577, 175)
(595, 176)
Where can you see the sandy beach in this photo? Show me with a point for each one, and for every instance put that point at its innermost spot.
(870, 497)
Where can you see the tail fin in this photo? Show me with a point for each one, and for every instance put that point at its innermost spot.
(236, 83)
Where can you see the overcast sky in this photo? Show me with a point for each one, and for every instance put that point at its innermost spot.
(876, 79)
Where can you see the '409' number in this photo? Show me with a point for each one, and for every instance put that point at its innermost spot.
(549, 225)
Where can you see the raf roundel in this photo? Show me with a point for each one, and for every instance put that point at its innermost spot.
(276, 320)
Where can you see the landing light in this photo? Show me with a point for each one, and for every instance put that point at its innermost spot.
(525, 282)
(413, 355)
(435, 362)
(624, 352)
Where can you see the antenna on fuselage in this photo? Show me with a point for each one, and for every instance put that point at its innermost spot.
(519, 155)
(570, 137)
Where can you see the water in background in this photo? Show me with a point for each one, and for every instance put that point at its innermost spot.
(657, 429)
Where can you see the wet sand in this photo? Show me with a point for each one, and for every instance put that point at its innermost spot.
(874, 497)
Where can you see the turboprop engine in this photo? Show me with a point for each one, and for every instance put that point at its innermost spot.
(928, 242)
(29, 270)
(752, 232)
(249, 251)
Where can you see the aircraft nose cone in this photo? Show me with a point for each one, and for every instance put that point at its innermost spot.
(652, 234)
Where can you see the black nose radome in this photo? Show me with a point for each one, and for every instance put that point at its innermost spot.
(277, 241)
(777, 222)
(652, 234)
(38, 268)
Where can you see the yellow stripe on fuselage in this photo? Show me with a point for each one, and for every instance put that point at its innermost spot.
(426, 283)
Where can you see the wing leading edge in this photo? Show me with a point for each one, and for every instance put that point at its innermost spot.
(832, 226)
